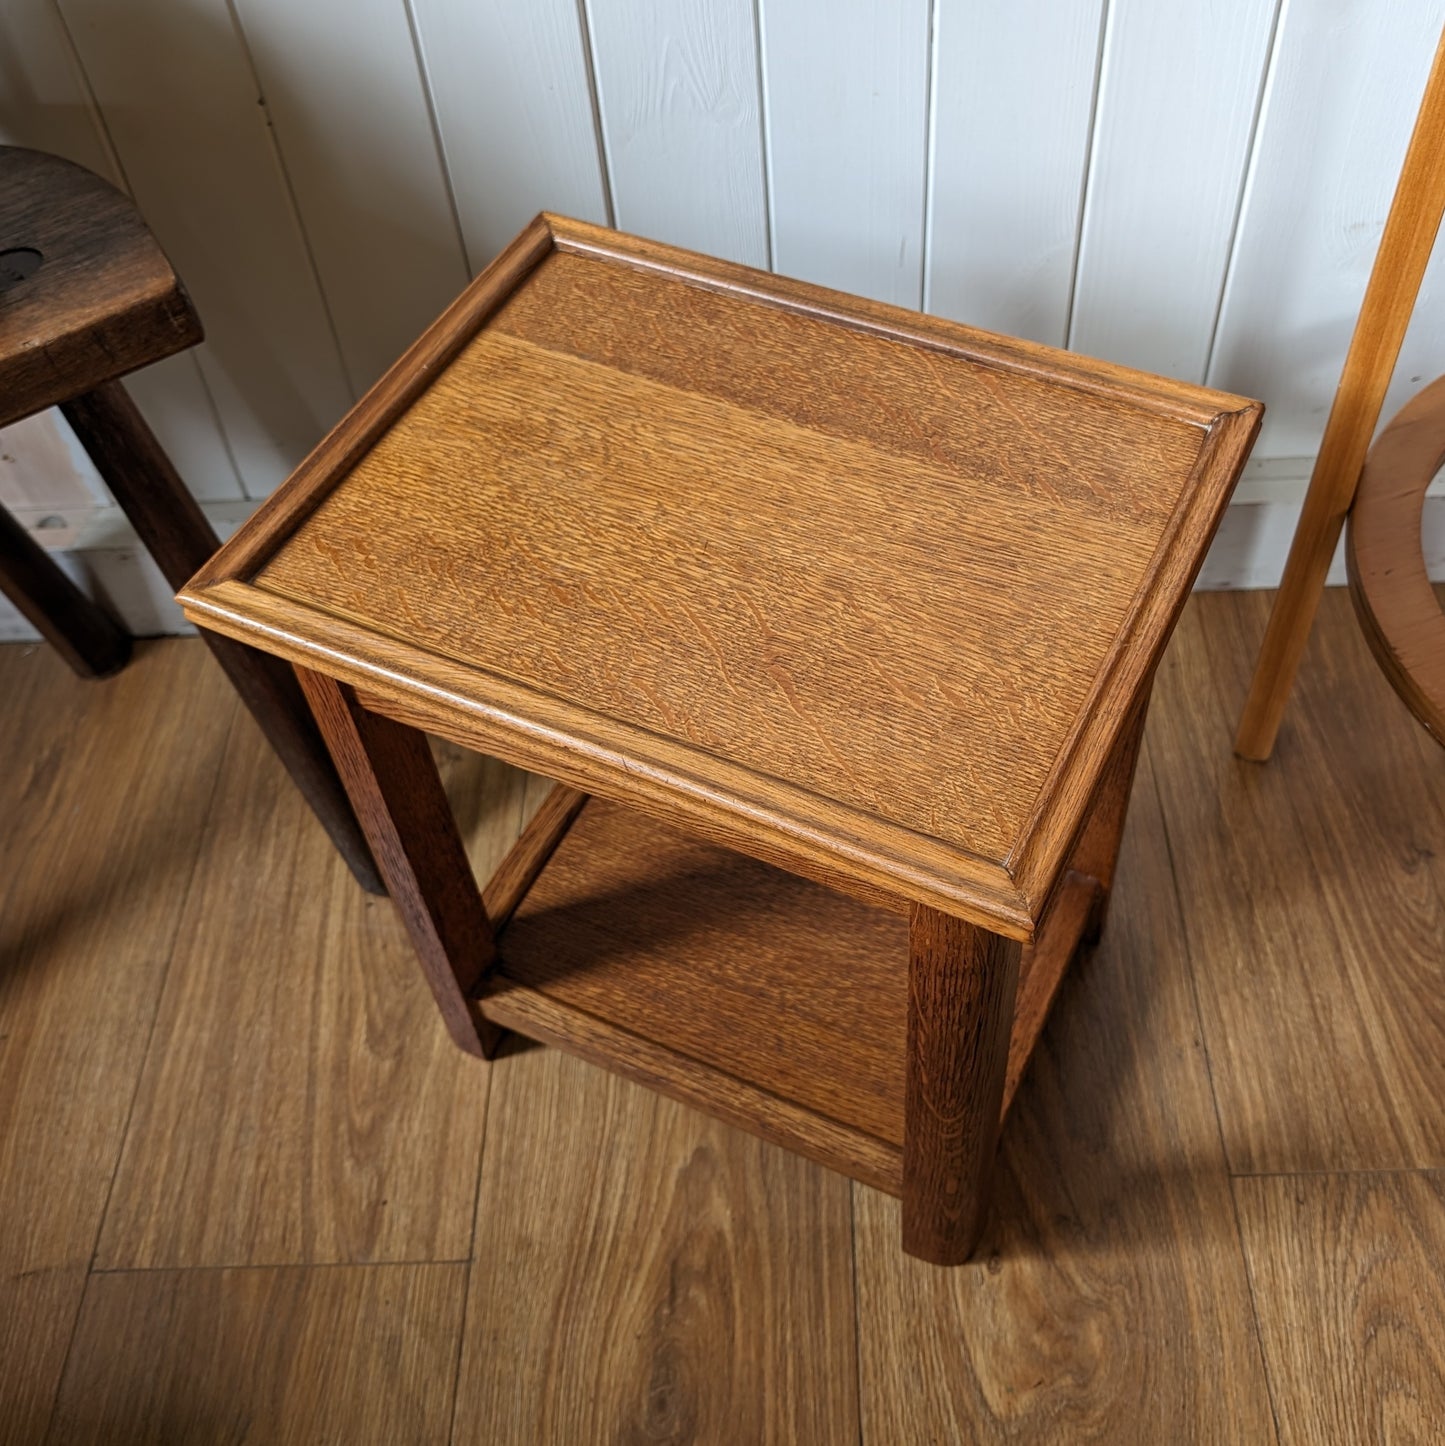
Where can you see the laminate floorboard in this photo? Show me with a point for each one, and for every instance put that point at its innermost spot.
(104, 798)
(1313, 899)
(645, 1274)
(1109, 1301)
(301, 1102)
(224, 1090)
(1349, 1282)
(298, 1354)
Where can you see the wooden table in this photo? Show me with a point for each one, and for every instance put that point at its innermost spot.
(835, 624)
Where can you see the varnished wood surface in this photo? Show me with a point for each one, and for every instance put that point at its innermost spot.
(1363, 1257)
(1318, 887)
(712, 1300)
(725, 960)
(359, 1353)
(867, 586)
(300, 1100)
(396, 790)
(1108, 1301)
(299, 1106)
(104, 299)
(961, 986)
(176, 533)
(773, 1002)
(94, 889)
(1404, 622)
(1406, 245)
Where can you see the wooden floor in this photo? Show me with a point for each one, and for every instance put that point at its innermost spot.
(248, 1191)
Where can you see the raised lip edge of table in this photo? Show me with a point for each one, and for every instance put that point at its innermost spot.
(1009, 897)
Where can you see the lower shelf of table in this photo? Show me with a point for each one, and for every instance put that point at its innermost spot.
(758, 996)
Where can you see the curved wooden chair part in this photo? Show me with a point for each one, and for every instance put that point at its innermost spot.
(1405, 248)
(1396, 604)
(86, 296)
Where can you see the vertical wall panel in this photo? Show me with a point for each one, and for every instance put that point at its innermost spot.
(847, 103)
(510, 86)
(181, 105)
(1013, 93)
(42, 465)
(1178, 93)
(44, 103)
(677, 86)
(1337, 116)
(355, 134)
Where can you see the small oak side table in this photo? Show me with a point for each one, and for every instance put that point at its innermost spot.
(835, 625)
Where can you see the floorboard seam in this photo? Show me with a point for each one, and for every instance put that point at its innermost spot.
(471, 1259)
(1189, 973)
(90, 1270)
(1348, 1170)
(277, 1265)
(853, 1188)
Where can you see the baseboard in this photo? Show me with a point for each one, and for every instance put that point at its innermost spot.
(1253, 540)
(98, 550)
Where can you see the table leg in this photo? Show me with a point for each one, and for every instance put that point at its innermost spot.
(961, 986)
(1096, 850)
(394, 786)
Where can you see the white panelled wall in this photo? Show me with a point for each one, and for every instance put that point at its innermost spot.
(1195, 189)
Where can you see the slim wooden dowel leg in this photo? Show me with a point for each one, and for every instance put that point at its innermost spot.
(961, 986)
(174, 530)
(1400, 263)
(394, 785)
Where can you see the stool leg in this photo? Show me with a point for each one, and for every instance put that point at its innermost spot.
(961, 986)
(394, 784)
(85, 635)
(1096, 851)
(174, 530)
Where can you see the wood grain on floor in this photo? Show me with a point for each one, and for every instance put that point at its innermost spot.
(301, 1102)
(214, 1052)
(1349, 1283)
(1110, 1302)
(105, 794)
(1311, 888)
(643, 1273)
(339, 1353)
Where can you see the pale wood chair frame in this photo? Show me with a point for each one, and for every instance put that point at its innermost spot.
(1400, 263)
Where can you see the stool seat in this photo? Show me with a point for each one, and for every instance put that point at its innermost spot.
(846, 616)
(87, 295)
(99, 300)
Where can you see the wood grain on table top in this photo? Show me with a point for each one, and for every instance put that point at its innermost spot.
(886, 579)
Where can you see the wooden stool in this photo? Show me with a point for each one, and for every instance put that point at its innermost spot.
(1402, 619)
(845, 617)
(86, 295)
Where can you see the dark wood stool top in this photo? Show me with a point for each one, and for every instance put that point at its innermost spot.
(86, 293)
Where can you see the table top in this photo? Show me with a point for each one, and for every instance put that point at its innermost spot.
(861, 589)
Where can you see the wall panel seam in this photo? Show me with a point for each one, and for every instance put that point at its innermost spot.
(1246, 181)
(764, 133)
(1091, 143)
(423, 71)
(594, 95)
(292, 205)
